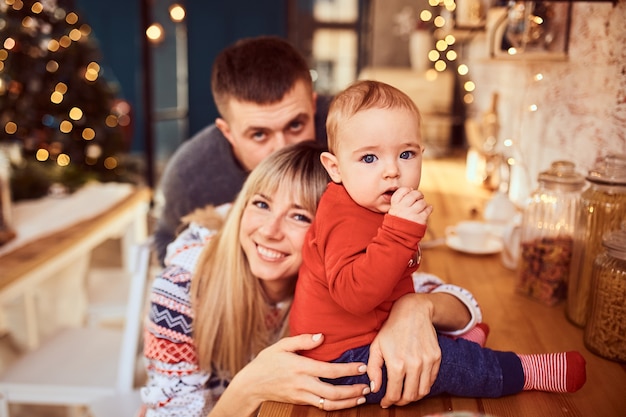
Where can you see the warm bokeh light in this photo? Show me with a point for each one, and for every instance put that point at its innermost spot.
(110, 163)
(155, 33)
(28, 22)
(61, 88)
(71, 18)
(426, 15)
(37, 7)
(469, 86)
(177, 12)
(10, 127)
(440, 65)
(123, 120)
(17, 5)
(111, 120)
(89, 133)
(66, 126)
(441, 45)
(9, 43)
(433, 55)
(52, 66)
(56, 97)
(94, 66)
(53, 45)
(65, 41)
(63, 160)
(463, 69)
(91, 74)
(93, 152)
(75, 35)
(42, 155)
(85, 29)
(76, 113)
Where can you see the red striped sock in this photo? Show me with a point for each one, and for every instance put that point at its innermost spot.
(477, 334)
(554, 372)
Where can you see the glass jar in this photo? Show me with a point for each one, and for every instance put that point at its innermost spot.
(602, 208)
(605, 330)
(547, 234)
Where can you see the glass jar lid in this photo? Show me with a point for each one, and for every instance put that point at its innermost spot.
(615, 243)
(611, 169)
(562, 174)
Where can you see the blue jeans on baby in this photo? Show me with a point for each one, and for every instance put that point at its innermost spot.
(466, 370)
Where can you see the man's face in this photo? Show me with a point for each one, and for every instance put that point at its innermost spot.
(255, 131)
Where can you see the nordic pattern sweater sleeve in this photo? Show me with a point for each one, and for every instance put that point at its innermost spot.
(175, 385)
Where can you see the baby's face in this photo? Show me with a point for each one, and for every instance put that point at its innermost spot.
(379, 151)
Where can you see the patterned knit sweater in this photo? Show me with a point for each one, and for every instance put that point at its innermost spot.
(176, 386)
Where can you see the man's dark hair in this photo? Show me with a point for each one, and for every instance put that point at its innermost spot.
(259, 70)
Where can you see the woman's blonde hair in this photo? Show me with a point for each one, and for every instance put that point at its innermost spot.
(364, 95)
(229, 306)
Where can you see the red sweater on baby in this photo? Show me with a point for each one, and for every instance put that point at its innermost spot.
(356, 263)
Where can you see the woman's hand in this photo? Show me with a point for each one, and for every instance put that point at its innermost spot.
(407, 344)
(278, 373)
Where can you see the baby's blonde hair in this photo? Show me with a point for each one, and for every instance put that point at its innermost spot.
(364, 95)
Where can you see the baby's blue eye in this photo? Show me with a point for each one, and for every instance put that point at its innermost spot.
(368, 159)
(406, 154)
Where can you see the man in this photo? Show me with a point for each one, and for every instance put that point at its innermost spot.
(264, 94)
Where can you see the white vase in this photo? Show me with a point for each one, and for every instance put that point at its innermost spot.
(420, 43)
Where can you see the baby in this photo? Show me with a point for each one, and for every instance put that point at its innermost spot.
(363, 246)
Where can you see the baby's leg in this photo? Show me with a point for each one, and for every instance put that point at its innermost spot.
(469, 370)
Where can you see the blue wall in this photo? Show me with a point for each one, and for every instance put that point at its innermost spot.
(211, 25)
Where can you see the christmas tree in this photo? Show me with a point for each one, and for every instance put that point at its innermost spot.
(56, 103)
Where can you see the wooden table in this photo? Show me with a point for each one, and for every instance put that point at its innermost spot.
(517, 323)
(66, 252)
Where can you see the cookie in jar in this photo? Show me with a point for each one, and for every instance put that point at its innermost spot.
(547, 230)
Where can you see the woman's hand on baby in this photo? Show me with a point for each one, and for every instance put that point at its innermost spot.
(278, 373)
(410, 205)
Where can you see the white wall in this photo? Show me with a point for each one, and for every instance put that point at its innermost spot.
(581, 102)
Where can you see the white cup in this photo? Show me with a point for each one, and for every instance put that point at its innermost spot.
(472, 234)
(511, 239)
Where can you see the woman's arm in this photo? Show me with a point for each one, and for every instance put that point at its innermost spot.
(278, 373)
(407, 342)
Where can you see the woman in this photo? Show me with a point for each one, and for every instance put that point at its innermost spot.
(237, 303)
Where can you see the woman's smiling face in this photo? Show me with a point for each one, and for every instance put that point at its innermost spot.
(272, 233)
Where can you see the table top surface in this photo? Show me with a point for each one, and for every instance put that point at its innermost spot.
(20, 261)
(517, 323)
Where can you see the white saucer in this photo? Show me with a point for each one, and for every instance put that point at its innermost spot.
(494, 245)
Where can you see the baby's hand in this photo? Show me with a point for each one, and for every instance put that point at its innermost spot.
(410, 205)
